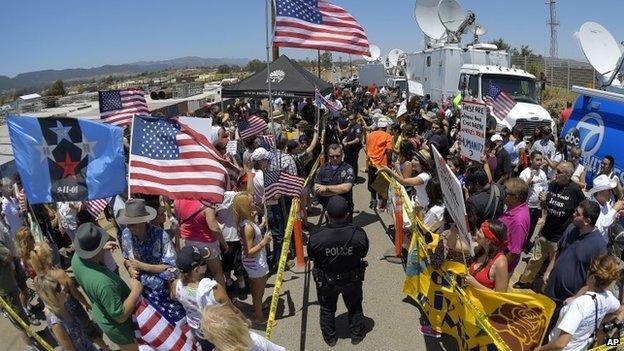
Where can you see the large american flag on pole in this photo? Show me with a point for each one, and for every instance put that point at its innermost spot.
(282, 183)
(171, 159)
(118, 106)
(500, 101)
(154, 332)
(315, 24)
(250, 126)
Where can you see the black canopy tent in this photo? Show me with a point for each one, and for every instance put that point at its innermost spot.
(288, 79)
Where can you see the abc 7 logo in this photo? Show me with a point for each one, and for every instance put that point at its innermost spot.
(587, 135)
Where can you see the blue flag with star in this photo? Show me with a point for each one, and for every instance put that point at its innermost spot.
(67, 159)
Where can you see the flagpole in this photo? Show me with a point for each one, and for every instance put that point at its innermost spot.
(130, 155)
(269, 16)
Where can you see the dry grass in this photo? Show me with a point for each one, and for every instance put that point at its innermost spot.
(554, 100)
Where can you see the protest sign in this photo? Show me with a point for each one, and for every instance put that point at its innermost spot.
(472, 133)
(453, 197)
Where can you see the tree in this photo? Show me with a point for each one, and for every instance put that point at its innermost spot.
(525, 50)
(501, 44)
(56, 89)
(255, 66)
(326, 59)
(224, 69)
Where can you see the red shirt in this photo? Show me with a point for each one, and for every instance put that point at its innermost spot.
(193, 224)
(565, 114)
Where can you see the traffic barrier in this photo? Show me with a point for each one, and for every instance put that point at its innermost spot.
(33, 334)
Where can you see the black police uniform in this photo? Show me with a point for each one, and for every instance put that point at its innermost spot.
(326, 175)
(353, 151)
(338, 251)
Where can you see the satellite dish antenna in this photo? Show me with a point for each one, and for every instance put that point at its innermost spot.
(386, 62)
(601, 50)
(454, 18)
(480, 30)
(426, 13)
(375, 52)
(394, 55)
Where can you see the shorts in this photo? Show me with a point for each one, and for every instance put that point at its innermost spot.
(232, 260)
(260, 271)
(213, 247)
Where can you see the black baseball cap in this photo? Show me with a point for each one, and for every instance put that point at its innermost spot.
(337, 207)
(191, 257)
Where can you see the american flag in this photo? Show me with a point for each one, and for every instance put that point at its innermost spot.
(266, 141)
(250, 126)
(500, 101)
(315, 24)
(155, 332)
(96, 207)
(169, 158)
(321, 100)
(282, 183)
(118, 106)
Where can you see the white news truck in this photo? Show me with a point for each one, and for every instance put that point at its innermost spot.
(446, 69)
(372, 73)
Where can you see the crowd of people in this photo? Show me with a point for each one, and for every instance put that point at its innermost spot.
(192, 259)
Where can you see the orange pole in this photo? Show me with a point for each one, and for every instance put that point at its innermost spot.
(398, 225)
(300, 260)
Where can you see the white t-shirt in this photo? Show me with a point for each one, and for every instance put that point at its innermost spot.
(258, 186)
(260, 343)
(538, 184)
(579, 318)
(434, 218)
(608, 215)
(421, 192)
(194, 299)
(225, 217)
(11, 213)
(557, 158)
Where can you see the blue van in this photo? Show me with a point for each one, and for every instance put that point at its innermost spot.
(596, 125)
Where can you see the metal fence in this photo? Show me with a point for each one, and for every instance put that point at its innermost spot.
(560, 73)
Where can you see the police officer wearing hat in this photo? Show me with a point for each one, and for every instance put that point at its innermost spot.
(335, 178)
(338, 251)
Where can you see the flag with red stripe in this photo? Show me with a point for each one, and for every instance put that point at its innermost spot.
(266, 141)
(154, 332)
(250, 126)
(171, 159)
(318, 25)
(321, 100)
(117, 107)
(282, 183)
(501, 102)
(96, 207)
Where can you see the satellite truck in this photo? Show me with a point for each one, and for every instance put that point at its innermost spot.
(596, 124)
(446, 66)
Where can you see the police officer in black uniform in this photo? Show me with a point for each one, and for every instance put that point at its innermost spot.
(335, 178)
(338, 251)
(352, 142)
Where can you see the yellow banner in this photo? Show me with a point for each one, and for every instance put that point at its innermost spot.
(477, 319)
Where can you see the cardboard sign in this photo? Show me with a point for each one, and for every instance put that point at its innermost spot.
(453, 197)
(472, 132)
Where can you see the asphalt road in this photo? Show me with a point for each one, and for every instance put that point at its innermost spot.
(392, 320)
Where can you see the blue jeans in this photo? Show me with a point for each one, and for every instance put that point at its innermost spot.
(277, 226)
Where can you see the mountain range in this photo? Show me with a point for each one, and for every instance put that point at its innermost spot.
(40, 79)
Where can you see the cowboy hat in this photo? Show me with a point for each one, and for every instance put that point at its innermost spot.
(136, 212)
(89, 240)
(603, 182)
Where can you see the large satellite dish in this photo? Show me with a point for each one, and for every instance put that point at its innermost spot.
(375, 52)
(426, 13)
(454, 18)
(394, 55)
(601, 50)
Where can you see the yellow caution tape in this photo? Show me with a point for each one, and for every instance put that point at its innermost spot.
(620, 346)
(33, 334)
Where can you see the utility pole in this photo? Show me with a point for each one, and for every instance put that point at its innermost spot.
(554, 52)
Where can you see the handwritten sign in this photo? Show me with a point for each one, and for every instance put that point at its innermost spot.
(453, 197)
(472, 133)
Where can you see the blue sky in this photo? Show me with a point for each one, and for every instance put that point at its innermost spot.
(39, 34)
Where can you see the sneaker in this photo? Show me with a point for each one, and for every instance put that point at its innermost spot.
(428, 331)
(356, 339)
(520, 285)
(33, 320)
(331, 342)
